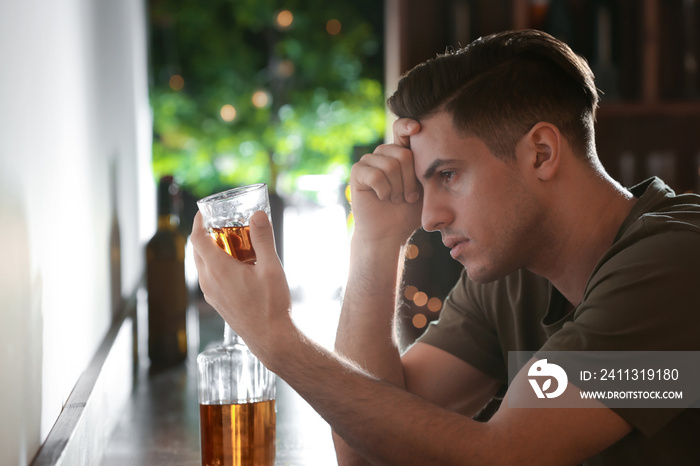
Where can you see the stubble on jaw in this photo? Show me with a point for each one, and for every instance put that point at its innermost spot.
(519, 240)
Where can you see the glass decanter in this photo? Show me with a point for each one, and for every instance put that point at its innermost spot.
(236, 405)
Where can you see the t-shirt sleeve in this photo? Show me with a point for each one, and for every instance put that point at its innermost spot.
(644, 298)
(464, 330)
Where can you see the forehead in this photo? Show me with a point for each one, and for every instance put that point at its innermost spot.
(438, 140)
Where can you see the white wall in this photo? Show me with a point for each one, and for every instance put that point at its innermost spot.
(75, 130)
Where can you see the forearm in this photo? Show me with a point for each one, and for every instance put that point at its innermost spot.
(387, 209)
(366, 332)
(387, 425)
(383, 423)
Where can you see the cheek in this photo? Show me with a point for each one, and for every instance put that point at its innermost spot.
(479, 210)
(495, 213)
(522, 218)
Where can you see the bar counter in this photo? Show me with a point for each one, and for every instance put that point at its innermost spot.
(160, 424)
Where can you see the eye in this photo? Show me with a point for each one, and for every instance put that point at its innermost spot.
(447, 175)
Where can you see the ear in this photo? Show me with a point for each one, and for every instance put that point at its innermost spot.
(543, 143)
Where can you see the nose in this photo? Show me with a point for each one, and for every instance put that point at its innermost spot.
(437, 212)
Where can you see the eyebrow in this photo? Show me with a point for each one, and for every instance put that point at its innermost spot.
(433, 167)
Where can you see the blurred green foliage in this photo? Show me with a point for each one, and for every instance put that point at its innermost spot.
(322, 93)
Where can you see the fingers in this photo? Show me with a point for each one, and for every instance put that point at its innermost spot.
(202, 242)
(206, 255)
(389, 172)
(411, 186)
(197, 227)
(197, 232)
(263, 238)
(381, 171)
(403, 129)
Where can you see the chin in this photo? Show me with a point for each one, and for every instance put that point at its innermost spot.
(482, 274)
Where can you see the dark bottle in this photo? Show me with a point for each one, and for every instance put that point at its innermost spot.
(165, 281)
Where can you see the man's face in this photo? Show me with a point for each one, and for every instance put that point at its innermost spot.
(479, 203)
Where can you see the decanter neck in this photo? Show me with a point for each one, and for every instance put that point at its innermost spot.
(230, 337)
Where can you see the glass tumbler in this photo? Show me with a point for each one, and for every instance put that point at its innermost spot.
(236, 391)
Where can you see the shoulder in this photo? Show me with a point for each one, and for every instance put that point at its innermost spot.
(659, 209)
(654, 248)
(645, 296)
(660, 238)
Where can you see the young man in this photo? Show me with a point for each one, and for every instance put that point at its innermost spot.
(495, 149)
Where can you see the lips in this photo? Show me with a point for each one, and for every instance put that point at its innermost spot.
(456, 246)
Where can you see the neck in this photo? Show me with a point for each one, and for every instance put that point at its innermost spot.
(585, 226)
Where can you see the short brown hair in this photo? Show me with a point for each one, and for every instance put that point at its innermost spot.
(498, 87)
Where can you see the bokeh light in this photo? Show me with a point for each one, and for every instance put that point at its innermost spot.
(228, 112)
(285, 18)
(419, 321)
(260, 99)
(333, 27)
(434, 304)
(420, 299)
(286, 68)
(410, 291)
(412, 251)
(176, 82)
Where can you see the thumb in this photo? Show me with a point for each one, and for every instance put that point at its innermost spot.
(262, 237)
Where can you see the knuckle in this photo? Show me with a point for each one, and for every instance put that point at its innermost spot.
(376, 178)
(356, 169)
(366, 158)
(381, 148)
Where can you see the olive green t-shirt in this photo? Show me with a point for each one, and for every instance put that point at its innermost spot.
(644, 294)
